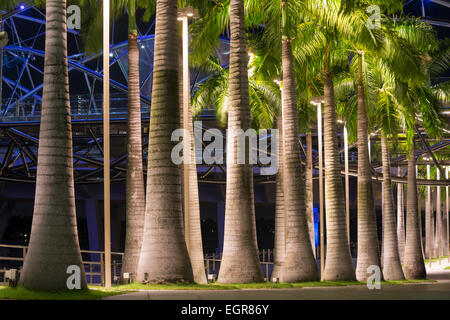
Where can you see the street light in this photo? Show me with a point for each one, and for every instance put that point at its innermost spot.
(347, 183)
(183, 16)
(106, 144)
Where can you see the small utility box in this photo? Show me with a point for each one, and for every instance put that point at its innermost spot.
(211, 277)
(12, 277)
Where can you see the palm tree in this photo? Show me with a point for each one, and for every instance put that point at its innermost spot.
(327, 40)
(392, 268)
(400, 219)
(279, 252)
(240, 260)
(295, 208)
(135, 191)
(414, 266)
(54, 243)
(397, 51)
(164, 255)
(265, 104)
(299, 263)
(135, 196)
(368, 252)
(240, 246)
(339, 264)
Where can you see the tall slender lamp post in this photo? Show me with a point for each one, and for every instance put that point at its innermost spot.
(430, 212)
(183, 16)
(321, 205)
(446, 213)
(439, 218)
(347, 185)
(106, 144)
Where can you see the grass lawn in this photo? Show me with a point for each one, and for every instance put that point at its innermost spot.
(25, 294)
(98, 292)
(447, 268)
(435, 259)
(264, 285)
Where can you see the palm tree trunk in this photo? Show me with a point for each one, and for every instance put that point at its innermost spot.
(338, 264)
(414, 267)
(240, 261)
(54, 243)
(135, 210)
(392, 268)
(368, 250)
(439, 251)
(309, 191)
(164, 255)
(299, 263)
(280, 214)
(400, 220)
(194, 231)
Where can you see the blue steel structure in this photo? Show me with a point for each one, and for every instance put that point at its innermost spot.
(22, 83)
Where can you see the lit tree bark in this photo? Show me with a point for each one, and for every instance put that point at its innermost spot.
(400, 220)
(438, 236)
(414, 267)
(309, 191)
(280, 213)
(392, 268)
(368, 249)
(135, 201)
(240, 260)
(433, 251)
(338, 264)
(299, 263)
(164, 255)
(54, 243)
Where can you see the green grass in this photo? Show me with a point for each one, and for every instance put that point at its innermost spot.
(435, 259)
(234, 286)
(20, 293)
(263, 285)
(98, 292)
(447, 268)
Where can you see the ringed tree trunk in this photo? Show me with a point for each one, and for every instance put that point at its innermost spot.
(338, 265)
(309, 191)
(54, 243)
(280, 213)
(414, 266)
(392, 268)
(135, 194)
(299, 263)
(438, 235)
(164, 255)
(368, 249)
(433, 252)
(194, 231)
(240, 260)
(400, 219)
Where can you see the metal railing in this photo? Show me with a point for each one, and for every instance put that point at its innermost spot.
(94, 263)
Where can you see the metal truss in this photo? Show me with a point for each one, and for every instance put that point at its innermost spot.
(22, 83)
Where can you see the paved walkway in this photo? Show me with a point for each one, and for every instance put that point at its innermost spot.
(429, 291)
